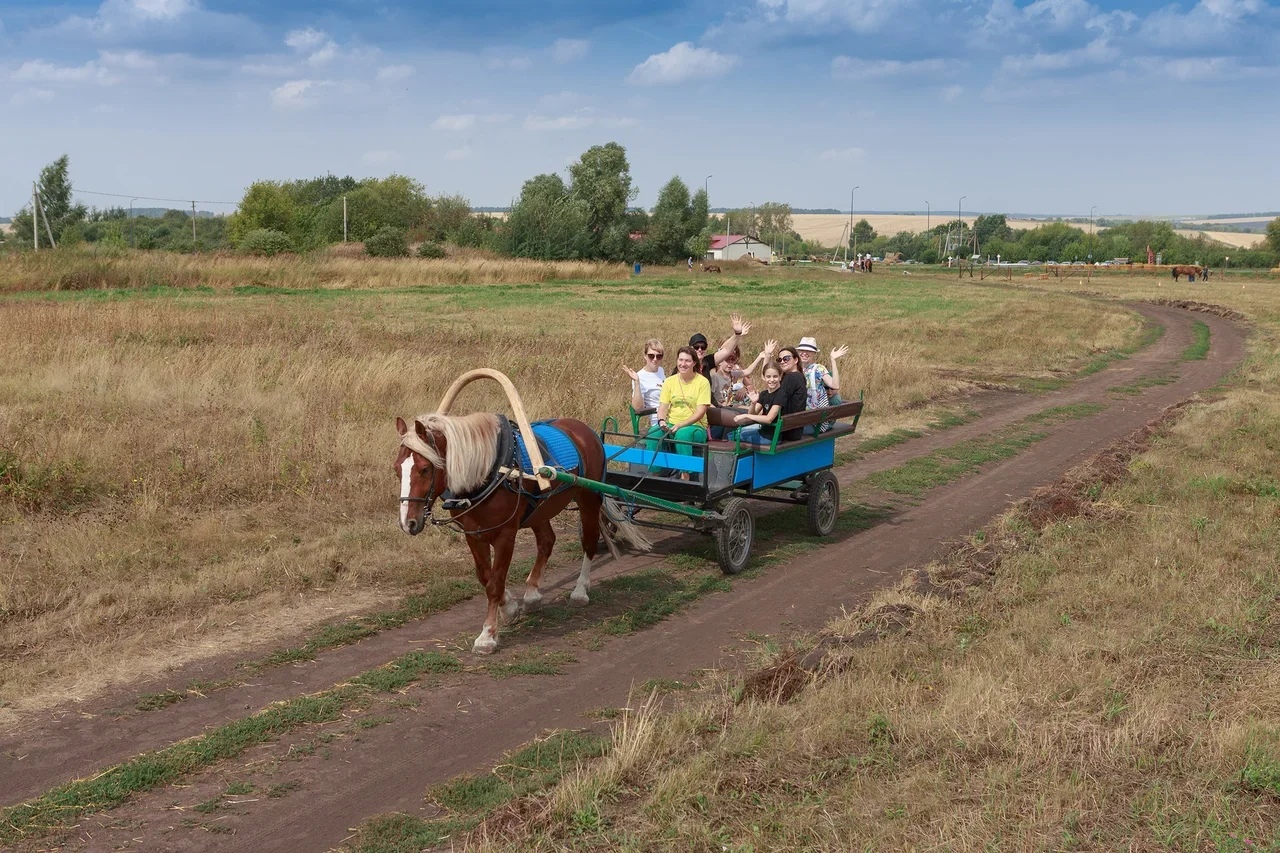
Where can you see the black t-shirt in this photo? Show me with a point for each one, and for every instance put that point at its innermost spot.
(709, 363)
(795, 396)
(767, 400)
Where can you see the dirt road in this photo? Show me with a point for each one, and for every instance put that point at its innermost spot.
(310, 788)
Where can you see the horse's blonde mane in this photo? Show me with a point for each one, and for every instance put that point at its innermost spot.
(471, 442)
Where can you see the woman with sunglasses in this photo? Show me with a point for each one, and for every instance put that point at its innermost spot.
(795, 394)
(821, 384)
(646, 383)
(708, 361)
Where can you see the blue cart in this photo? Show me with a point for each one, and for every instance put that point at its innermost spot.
(712, 483)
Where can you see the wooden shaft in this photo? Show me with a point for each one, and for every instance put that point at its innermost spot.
(517, 408)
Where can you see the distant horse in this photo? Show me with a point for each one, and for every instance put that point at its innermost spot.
(710, 268)
(1188, 269)
(465, 462)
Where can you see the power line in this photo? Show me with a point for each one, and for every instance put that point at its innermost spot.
(153, 198)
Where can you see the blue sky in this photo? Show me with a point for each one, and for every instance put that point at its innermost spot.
(1053, 106)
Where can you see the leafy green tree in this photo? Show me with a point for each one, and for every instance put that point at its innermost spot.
(992, 227)
(601, 184)
(54, 187)
(395, 201)
(450, 216)
(264, 241)
(388, 242)
(669, 223)
(548, 223)
(1273, 234)
(266, 206)
(863, 232)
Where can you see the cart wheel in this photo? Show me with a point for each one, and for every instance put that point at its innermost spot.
(824, 503)
(734, 536)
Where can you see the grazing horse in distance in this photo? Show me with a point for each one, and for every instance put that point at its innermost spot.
(478, 467)
(710, 268)
(1186, 269)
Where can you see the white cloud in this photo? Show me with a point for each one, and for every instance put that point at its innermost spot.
(576, 121)
(569, 50)
(39, 71)
(463, 153)
(843, 155)
(849, 68)
(1232, 9)
(510, 63)
(682, 62)
(30, 96)
(295, 94)
(162, 10)
(305, 40)
(857, 15)
(394, 73)
(130, 60)
(454, 122)
(951, 93)
(1057, 14)
(1097, 52)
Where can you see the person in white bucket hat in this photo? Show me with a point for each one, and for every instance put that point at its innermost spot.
(822, 384)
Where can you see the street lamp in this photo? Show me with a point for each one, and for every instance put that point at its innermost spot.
(852, 235)
(1091, 210)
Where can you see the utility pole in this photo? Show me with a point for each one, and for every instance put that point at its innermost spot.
(852, 235)
(131, 201)
(960, 235)
(928, 217)
(35, 220)
(48, 229)
(344, 219)
(1091, 210)
(193, 223)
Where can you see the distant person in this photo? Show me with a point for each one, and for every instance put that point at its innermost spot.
(691, 263)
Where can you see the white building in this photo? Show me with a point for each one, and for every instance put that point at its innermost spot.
(731, 247)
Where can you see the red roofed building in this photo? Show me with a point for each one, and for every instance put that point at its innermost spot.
(730, 247)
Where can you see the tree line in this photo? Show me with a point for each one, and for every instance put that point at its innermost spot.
(587, 217)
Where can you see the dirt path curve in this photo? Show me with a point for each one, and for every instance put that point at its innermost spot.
(466, 725)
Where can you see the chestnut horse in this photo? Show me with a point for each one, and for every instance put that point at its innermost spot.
(1187, 269)
(458, 455)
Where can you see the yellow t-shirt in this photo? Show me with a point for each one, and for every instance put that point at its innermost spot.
(684, 397)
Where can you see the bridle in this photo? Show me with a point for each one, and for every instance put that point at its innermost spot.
(429, 499)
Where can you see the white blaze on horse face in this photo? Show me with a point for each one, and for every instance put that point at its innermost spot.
(406, 477)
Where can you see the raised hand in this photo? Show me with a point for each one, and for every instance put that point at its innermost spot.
(740, 326)
(770, 347)
(635, 377)
(839, 352)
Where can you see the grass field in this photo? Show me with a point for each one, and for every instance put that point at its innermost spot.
(1112, 685)
(199, 468)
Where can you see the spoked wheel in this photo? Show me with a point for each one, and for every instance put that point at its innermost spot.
(735, 536)
(824, 503)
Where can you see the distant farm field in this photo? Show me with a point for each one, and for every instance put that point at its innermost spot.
(827, 228)
(190, 470)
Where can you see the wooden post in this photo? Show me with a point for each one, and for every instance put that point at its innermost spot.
(35, 220)
(47, 228)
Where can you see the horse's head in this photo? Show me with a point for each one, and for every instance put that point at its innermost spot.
(420, 466)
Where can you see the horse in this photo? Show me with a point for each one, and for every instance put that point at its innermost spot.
(469, 463)
(1186, 269)
(710, 268)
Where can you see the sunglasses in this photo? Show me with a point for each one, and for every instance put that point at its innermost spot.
(700, 347)
(653, 355)
(786, 358)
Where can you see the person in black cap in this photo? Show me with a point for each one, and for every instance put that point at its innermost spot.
(710, 360)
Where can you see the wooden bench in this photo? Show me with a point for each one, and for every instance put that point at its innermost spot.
(724, 417)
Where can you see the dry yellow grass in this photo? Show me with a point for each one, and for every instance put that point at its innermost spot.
(1231, 238)
(205, 469)
(1114, 688)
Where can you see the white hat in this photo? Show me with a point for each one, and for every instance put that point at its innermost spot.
(807, 344)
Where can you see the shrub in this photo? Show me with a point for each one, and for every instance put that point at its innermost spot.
(387, 243)
(266, 241)
(431, 250)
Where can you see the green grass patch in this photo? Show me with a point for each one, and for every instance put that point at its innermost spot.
(64, 805)
(1139, 385)
(1199, 348)
(530, 662)
(469, 799)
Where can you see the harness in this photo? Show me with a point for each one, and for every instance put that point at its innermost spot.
(511, 467)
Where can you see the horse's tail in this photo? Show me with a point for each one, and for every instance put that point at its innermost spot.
(616, 514)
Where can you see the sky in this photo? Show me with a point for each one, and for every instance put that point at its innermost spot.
(1053, 106)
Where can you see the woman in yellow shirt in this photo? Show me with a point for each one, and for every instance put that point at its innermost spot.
(682, 405)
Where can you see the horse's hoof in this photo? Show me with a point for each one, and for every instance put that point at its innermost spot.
(532, 603)
(484, 647)
(512, 608)
(579, 599)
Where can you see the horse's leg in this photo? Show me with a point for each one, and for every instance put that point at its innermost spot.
(546, 539)
(495, 587)
(480, 554)
(589, 511)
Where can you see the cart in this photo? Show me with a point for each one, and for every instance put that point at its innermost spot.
(724, 475)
